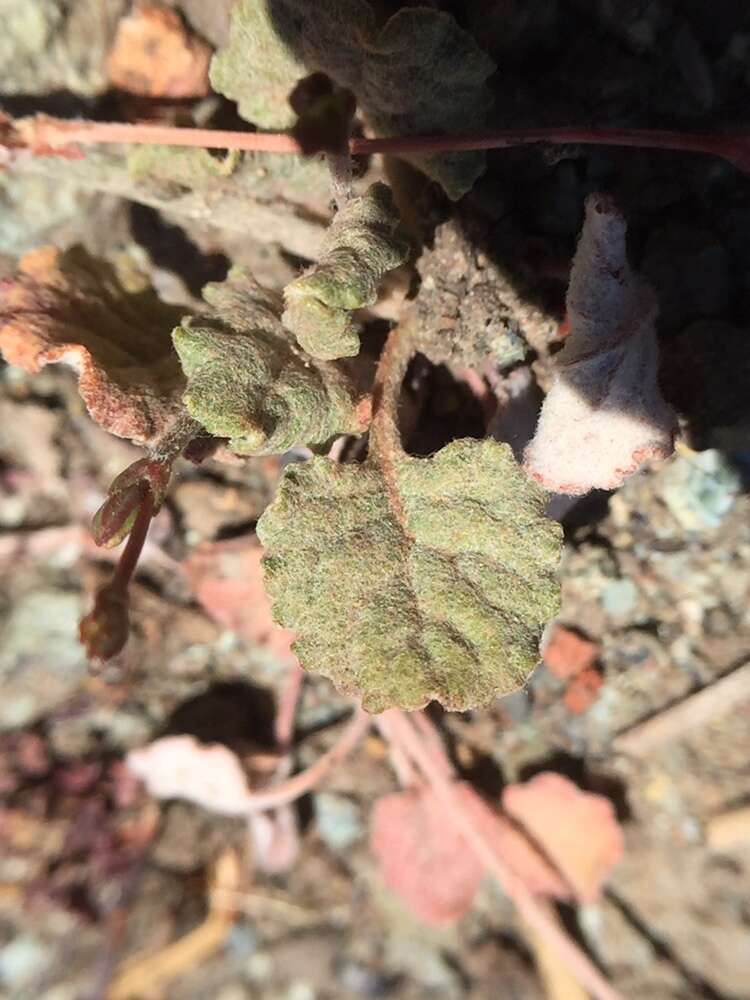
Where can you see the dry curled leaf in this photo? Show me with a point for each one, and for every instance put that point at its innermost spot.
(248, 381)
(227, 580)
(604, 415)
(211, 776)
(70, 307)
(578, 831)
(419, 73)
(154, 55)
(179, 767)
(360, 247)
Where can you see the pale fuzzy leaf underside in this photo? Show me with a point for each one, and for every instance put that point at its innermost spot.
(431, 582)
(604, 415)
(70, 307)
(247, 381)
(359, 249)
(419, 73)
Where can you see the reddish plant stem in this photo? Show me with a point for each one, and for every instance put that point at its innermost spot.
(305, 781)
(131, 553)
(401, 728)
(51, 133)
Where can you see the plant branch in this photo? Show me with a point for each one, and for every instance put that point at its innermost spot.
(305, 781)
(44, 134)
(533, 913)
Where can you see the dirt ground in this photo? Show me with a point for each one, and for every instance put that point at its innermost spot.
(656, 575)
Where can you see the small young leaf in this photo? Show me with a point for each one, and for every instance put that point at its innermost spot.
(420, 73)
(70, 307)
(604, 415)
(420, 579)
(359, 249)
(248, 382)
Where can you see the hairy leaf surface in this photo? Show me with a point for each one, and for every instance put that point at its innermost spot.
(248, 382)
(424, 579)
(71, 307)
(418, 73)
(358, 250)
(604, 415)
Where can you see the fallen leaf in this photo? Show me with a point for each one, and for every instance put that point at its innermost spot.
(419, 73)
(248, 381)
(426, 861)
(360, 247)
(227, 580)
(154, 55)
(211, 776)
(604, 415)
(567, 653)
(578, 831)
(69, 307)
(422, 857)
(417, 579)
(179, 767)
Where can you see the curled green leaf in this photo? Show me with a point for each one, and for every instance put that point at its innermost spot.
(247, 380)
(359, 249)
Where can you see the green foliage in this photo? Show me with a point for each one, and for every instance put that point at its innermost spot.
(419, 73)
(360, 247)
(417, 580)
(248, 382)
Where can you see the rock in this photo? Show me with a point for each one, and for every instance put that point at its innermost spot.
(41, 661)
(583, 691)
(619, 598)
(700, 489)
(208, 508)
(339, 820)
(22, 961)
(568, 653)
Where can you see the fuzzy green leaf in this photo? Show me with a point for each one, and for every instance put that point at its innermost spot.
(431, 580)
(248, 382)
(419, 73)
(359, 249)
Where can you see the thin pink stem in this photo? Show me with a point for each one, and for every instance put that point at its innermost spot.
(401, 762)
(308, 779)
(433, 740)
(287, 708)
(46, 133)
(576, 960)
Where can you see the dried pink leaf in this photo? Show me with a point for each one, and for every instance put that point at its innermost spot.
(422, 857)
(70, 307)
(578, 831)
(179, 767)
(426, 861)
(604, 415)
